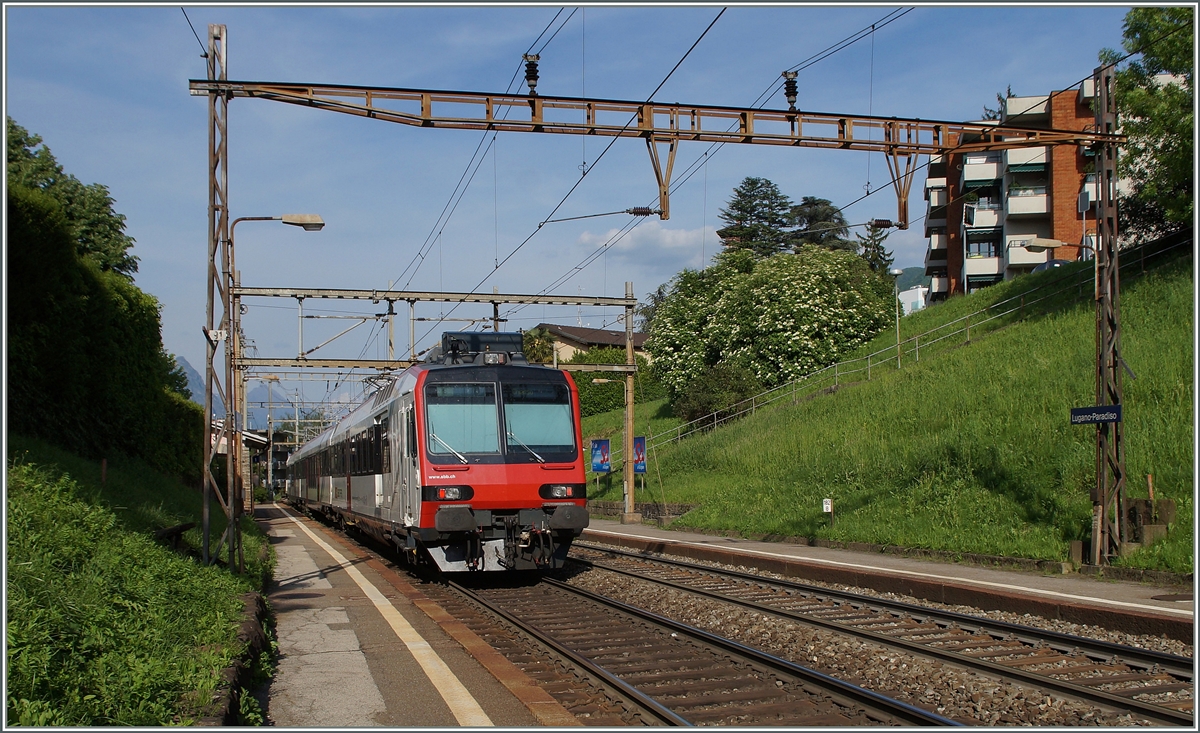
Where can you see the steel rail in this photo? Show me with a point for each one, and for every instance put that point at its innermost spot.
(651, 706)
(851, 692)
(1181, 666)
(1172, 664)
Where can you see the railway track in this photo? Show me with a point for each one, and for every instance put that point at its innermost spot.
(1151, 685)
(675, 674)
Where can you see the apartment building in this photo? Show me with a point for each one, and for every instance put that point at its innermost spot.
(982, 207)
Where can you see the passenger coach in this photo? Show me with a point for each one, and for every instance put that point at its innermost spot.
(471, 460)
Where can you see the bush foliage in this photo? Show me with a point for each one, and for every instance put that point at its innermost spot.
(777, 318)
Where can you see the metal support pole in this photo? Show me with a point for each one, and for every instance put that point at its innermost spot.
(630, 516)
(218, 227)
(896, 306)
(495, 312)
(299, 328)
(1109, 523)
(270, 441)
(412, 331)
(391, 318)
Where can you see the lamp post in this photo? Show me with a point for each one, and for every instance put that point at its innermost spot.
(233, 305)
(270, 435)
(896, 273)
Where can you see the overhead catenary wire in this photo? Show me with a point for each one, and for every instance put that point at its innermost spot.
(203, 50)
(702, 159)
(518, 248)
(460, 188)
(468, 175)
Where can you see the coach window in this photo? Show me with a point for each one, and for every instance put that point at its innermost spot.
(385, 446)
(462, 418)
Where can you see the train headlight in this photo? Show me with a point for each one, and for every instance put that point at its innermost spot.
(562, 491)
(447, 493)
(493, 357)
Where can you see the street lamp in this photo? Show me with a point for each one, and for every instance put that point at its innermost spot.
(896, 273)
(233, 306)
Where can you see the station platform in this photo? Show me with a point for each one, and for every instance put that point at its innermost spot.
(1136, 608)
(360, 646)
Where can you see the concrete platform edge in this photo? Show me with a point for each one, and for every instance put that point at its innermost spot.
(540, 703)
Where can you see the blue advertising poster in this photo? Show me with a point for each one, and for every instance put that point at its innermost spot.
(639, 455)
(600, 457)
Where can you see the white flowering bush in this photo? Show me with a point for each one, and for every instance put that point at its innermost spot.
(778, 318)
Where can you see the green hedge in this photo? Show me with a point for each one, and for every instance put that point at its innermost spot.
(87, 370)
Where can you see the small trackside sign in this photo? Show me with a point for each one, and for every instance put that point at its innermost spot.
(1093, 415)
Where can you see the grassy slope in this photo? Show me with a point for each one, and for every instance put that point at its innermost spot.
(105, 626)
(970, 451)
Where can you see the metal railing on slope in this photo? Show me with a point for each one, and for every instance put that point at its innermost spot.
(985, 320)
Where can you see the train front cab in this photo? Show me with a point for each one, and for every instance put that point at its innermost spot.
(501, 473)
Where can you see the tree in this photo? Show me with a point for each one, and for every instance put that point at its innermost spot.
(98, 231)
(995, 114)
(1154, 101)
(777, 318)
(756, 218)
(877, 258)
(818, 221)
(538, 345)
(644, 312)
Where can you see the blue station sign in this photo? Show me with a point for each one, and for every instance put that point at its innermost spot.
(601, 461)
(1093, 415)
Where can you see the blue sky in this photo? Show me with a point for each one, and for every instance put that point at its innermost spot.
(106, 87)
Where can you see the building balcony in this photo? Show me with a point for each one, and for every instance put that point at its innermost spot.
(1027, 160)
(935, 258)
(986, 169)
(933, 183)
(937, 196)
(939, 285)
(1017, 109)
(984, 217)
(1028, 201)
(984, 266)
(939, 240)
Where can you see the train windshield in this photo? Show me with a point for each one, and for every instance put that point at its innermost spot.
(462, 419)
(538, 418)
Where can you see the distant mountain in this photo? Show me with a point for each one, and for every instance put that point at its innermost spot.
(260, 402)
(912, 277)
(195, 383)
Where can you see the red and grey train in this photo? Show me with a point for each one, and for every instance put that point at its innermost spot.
(471, 460)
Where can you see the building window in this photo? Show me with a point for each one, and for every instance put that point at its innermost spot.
(988, 248)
